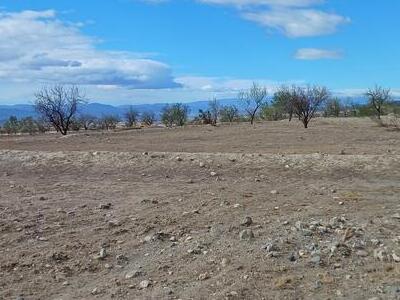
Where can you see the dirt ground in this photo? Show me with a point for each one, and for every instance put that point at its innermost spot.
(233, 212)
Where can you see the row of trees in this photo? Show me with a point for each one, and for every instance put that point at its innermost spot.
(58, 108)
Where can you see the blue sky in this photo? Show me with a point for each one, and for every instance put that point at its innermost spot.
(134, 51)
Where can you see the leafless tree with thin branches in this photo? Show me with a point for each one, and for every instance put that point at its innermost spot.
(306, 101)
(58, 105)
(378, 97)
(253, 99)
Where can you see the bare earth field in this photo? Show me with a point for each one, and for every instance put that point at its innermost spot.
(161, 213)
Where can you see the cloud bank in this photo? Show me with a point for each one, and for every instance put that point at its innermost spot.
(35, 46)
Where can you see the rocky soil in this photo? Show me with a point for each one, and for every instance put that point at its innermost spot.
(174, 225)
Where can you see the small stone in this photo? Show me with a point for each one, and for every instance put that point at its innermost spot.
(395, 257)
(105, 206)
(270, 247)
(202, 165)
(65, 283)
(204, 276)
(246, 235)
(225, 261)
(103, 253)
(292, 257)
(213, 174)
(316, 259)
(362, 253)
(341, 203)
(380, 254)
(95, 291)
(178, 158)
(114, 223)
(274, 192)
(236, 205)
(132, 274)
(144, 284)
(247, 221)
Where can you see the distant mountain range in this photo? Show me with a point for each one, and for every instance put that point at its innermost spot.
(98, 109)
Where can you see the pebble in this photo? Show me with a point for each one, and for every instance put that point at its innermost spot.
(225, 261)
(204, 276)
(247, 221)
(395, 257)
(246, 235)
(213, 174)
(202, 165)
(362, 253)
(316, 259)
(144, 284)
(105, 206)
(103, 253)
(274, 192)
(95, 291)
(132, 274)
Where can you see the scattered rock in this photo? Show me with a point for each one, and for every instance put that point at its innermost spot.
(144, 284)
(204, 276)
(225, 261)
(246, 235)
(247, 221)
(213, 174)
(316, 259)
(133, 274)
(274, 192)
(395, 257)
(105, 206)
(362, 253)
(103, 254)
(95, 291)
(380, 254)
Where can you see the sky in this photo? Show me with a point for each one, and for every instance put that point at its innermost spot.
(152, 51)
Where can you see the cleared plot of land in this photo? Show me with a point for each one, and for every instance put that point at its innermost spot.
(173, 225)
(354, 136)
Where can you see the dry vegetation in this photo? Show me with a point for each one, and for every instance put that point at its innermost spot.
(272, 211)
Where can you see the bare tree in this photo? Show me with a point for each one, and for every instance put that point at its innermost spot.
(333, 108)
(175, 114)
(148, 118)
(378, 97)
(86, 121)
(131, 117)
(214, 109)
(306, 101)
(229, 113)
(109, 122)
(253, 99)
(282, 101)
(58, 105)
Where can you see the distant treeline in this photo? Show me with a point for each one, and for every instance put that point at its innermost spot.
(58, 110)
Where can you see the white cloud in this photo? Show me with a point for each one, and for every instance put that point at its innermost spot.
(316, 54)
(35, 46)
(298, 22)
(244, 3)
(294, 18)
